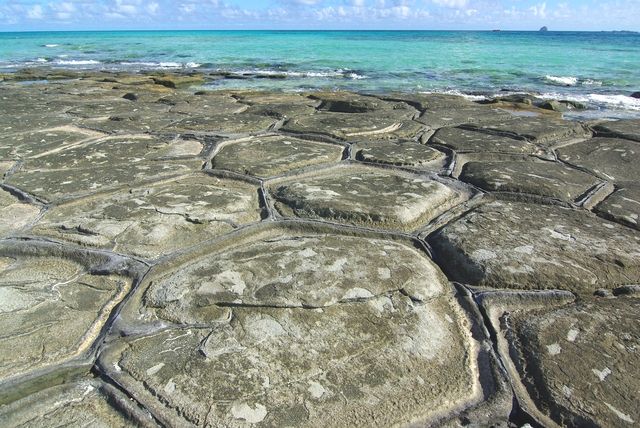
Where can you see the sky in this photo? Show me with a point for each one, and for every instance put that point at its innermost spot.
(592, 15)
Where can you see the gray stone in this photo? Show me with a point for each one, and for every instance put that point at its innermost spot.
(14, 214)
(623, 206)
(541, 130)
(629, 129)
(464, 141)
(365, 196)
(578, 362)
(155, 219)
(611, 159)
(550, 179)
(274, 155)
(400, 153)
(527, 246)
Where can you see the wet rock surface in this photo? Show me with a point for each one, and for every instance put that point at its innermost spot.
(172, 255)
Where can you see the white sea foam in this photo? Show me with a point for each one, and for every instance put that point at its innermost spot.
(42, 60)
(163, 65)
(77, 62)
(562, 80)
(590, 82)
(622, 102)
(52, 45)
(320, 74)
(457, 93)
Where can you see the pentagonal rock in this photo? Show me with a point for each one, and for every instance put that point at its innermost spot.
(628, 129)
(52, 306)
(451, 116)
(387, 124)
(464, 141)
(58, 184)
(347, 102)
(610, 158)
(155, 219)
(240, 123)
(14, 214)
(281, 267)
(365, 196)
(272, 360)
(401, 153)
(83, 403)
(274, 155)
(33, 143)
(579, 362)
(623, 206)
(550, 179)
(542, 130)
(526, 246)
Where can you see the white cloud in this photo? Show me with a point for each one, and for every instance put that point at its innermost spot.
(35, 12)
(539, 10)
(455, 4)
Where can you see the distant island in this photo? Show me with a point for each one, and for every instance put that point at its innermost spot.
(544, 29)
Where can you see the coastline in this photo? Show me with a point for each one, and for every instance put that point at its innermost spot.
(172, 254)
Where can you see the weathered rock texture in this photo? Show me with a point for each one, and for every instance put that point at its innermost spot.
(176, 256)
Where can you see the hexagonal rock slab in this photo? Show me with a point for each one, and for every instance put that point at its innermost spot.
(52, 308)
(526, 246)
(365, 196)
(155, 219)
(84, 403)
(628, 129)
(623, 206)
(472, 113)
(579, 362)
(609, 158)
(289, 365)
(18, 146)
(550, 179)
(400, 153)
(387, 124)
(240, 123)
(466, 141)
(274, 155)
(14, 214)
(540, 130)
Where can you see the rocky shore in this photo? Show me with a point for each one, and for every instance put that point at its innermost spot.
(172, 256)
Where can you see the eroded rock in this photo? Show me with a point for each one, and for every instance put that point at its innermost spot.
(14, 214)
(401, 153)
(628, 129)
(155, 219)
(578, 363)
(609, 158)
(550, 179)
(527, 246)
(274, 155)
(465, 141)
(365, 196)
(623, 206)
(52, 307)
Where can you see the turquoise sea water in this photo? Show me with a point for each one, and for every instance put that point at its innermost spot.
(601, 69)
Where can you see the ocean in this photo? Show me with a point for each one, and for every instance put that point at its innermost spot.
(600, 69)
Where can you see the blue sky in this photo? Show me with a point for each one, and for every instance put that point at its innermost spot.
(19, 15)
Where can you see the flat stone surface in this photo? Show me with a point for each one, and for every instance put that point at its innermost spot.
(628, 129)
(275, 155)
(579, 362)
(27, 144)
(610, 158)
(550, 179)
(403, 153)
(279, 268)
(530, 246)
(223, 124)
(14, 214)
(5, 167)
(472, 113)
(52, 308)
(364, 196)
(64, 183)
(541, 130)
(154, 219)
(388, 124)
(467, 141)
(623, 206)
(81, 404)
